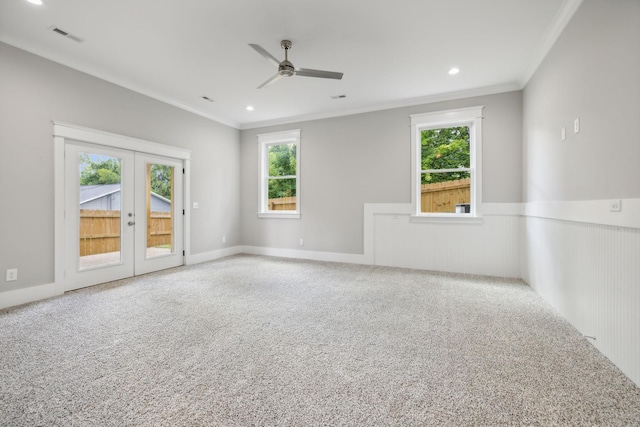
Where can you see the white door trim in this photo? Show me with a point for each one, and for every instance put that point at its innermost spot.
(82, 134)
(65, 131)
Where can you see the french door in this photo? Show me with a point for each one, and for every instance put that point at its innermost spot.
(123, 213)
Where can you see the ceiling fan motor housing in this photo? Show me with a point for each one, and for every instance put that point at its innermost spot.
(286, 69)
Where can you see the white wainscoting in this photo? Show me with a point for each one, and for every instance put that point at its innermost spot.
(589, 272)
(488, 248)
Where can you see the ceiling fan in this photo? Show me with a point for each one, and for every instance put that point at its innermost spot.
(286, 68)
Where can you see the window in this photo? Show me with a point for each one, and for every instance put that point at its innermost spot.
(446, 163)
(279, 174)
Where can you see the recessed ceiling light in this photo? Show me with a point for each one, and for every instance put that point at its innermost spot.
(249, 108)
(38, 2)
(453, 71)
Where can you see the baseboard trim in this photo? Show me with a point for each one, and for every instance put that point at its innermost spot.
(309, 255)
(212, 255)
(30, 294)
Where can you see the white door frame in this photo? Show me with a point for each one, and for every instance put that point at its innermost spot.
(63, 132)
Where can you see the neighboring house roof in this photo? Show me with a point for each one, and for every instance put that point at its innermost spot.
(93, 192)
(157, 196)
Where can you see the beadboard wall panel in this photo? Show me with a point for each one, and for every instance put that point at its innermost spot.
(489, 248)
(590, 273)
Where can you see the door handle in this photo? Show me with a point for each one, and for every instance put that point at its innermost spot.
(130, 223)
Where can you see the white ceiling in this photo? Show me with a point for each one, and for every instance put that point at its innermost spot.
(392, 53)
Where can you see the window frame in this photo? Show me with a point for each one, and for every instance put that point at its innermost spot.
(265, 140)
(471, 117)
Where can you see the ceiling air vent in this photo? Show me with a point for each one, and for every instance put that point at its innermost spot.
(65, 34)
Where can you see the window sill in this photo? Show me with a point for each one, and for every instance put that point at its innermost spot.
(448, 218)
(281, 215)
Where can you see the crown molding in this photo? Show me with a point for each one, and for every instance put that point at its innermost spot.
(555, 29)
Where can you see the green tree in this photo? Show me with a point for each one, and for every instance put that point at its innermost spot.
(99, 172)
(102, 171)
(282, 162)
(446, 148)
(161, 180)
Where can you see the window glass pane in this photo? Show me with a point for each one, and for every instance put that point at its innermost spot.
(99, 210)
(445, 192)
(279, 192)
(159, 210)
(446, 148)
(282, 160)
(282, 194)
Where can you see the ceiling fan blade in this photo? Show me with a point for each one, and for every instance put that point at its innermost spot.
(270, 81)
(306, 72)
(266, 54)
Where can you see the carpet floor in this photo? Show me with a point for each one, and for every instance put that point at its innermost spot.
(259, 341)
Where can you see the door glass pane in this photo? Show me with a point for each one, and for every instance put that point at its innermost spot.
(159, 210)
(99, 210)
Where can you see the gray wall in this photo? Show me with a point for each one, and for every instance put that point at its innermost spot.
(588, 271)
(352, 160)
(33, 93)
(592, 72)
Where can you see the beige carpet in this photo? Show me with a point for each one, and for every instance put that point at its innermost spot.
(257, 341)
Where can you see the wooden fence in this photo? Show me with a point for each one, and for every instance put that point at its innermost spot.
(444, 196)
(100, 231)
(438, 197)
(159, 229)
(282, 204)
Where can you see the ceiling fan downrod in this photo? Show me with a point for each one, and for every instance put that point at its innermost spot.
(286, 68)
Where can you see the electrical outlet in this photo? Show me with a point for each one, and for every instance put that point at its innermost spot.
(196, 205)
(12, 274)
(224, 239)
(615, 205)
(301, 242)
(576, 125)
(563, 133)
